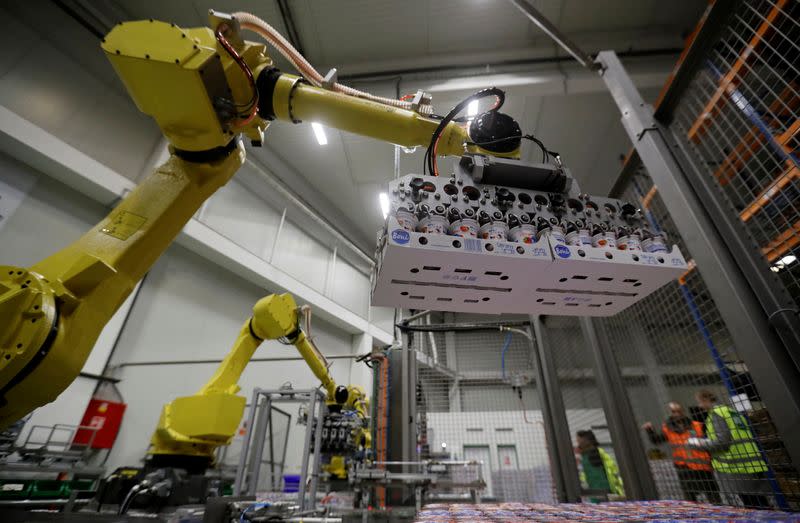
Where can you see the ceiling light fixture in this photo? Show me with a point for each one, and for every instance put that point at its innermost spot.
(319, 132)
(788, 259)
(384, 199)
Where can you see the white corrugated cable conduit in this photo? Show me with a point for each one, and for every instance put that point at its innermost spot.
(253, 23)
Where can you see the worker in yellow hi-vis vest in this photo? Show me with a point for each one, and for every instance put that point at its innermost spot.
(735, 455)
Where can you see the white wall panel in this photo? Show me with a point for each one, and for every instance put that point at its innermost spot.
(67, 409)
(243, 217)
(350, 287)
(302, 256)
(188, 309)
(103, 347)
(457, 429)
(50, 218)
(382, 317)
(45, 86)
(15, 183)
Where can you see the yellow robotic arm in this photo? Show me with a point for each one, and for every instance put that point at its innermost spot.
(204, 88)
(192, 427)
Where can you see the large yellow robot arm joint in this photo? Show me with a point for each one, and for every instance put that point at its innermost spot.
(198, 83)
(277, 317)
(196, 425)
(313, 97)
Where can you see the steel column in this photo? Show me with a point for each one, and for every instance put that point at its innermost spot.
(312, 408)
(454, 394)
(241, 472)
(260, 435)
(697, 216)
(647, 354)
(402, 418)
(628, 447)
(410, 371)
(322, 410)
(562, 456)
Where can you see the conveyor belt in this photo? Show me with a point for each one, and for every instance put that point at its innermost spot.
(649, 511)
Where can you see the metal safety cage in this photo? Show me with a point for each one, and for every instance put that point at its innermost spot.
(739, 122)
(580, 396)
(720, 152)
(263, 452)
(673, 345)
(606, 462)
(756, 308)
(477, 400)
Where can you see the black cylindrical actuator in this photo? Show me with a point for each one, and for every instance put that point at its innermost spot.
(513, 173)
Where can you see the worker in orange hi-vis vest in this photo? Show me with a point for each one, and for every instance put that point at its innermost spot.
(693, 466)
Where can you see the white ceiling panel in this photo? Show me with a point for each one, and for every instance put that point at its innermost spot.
(365, 155)
(355, 30)
(461, 26)
(579, 16)
(324, 164)
(586, 130)
(190, 13)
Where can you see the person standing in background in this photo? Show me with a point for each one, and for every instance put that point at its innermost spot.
(735, 455)
(695, 473)
(600, 471)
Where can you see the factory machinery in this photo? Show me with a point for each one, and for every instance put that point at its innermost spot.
(501, 236)
(192, 428)
(495, 235)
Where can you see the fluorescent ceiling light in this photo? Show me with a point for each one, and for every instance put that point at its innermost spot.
(319, 132)
(786, 260)
(471, 83)
(384, 199)
(472, 108)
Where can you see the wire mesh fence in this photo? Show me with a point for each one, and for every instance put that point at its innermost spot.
(476, 400)
(709, 434)
(584, 411)
(739, 123)
(676, 347)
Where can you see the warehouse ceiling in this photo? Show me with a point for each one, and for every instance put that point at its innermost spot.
(450, 48)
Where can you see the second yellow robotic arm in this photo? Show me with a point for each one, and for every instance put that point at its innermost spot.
(191, 428)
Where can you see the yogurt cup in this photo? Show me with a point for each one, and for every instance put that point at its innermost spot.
(494, 231)
(434, 224)
(466, 228)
